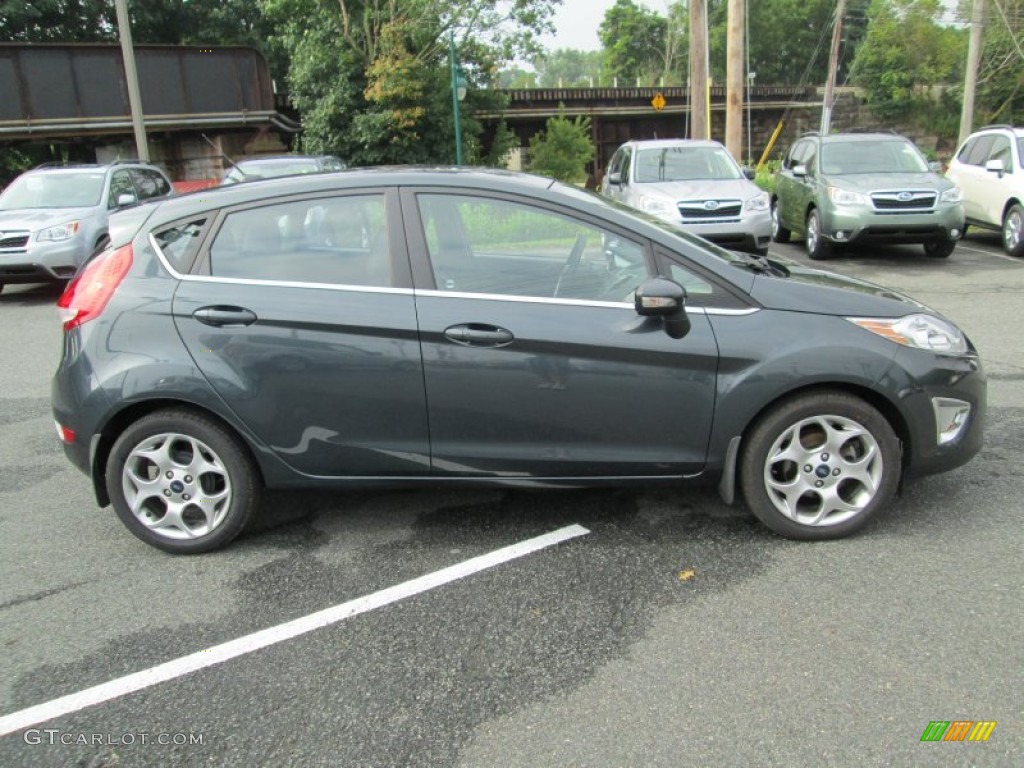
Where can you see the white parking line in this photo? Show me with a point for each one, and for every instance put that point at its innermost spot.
(962, 247)
(272, 635)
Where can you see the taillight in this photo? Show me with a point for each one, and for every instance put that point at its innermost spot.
(87, 295)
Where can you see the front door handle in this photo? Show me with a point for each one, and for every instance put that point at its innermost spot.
(225, 317)
(479, 335)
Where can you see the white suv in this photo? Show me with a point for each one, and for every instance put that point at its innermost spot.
(54, 217)
(989, 168)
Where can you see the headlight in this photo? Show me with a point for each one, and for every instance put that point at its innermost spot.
(952, 195)
(919, 331)
(759, 203)
(846, 197)
(62, 232)
(654, 205)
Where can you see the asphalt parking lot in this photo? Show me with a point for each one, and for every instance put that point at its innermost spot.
(673, 631)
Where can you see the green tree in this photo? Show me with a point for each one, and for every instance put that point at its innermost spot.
(1000, 92)
(371, 77)
(904, 53)
(563, 149)
(633, 38)
(568, 68)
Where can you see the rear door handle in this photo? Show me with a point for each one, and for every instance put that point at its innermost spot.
(479, 335)
(225, 317)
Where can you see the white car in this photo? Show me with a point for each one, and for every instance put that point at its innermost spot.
(989, 168)
(696, 185)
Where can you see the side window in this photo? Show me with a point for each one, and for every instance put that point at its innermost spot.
(627, 161)
(484, 245)
(1000, 150)
(160, 183)
(809, 157)
(966, 149)
(979, 152)
(120, 184)
(615, 166)
(339, 241)
(144, 183)
(179, 242)
(700, 291)
(792, 157)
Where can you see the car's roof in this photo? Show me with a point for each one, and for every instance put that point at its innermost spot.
(844, 138)
(668, 143)
(313, 183)
(1000, 129)
(89, 167)
(270, 159)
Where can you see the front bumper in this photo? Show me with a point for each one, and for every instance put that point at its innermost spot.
(932, 390)
(42, 262)
(749, 232)
(861, 223)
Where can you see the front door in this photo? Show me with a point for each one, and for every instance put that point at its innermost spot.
(535, 362)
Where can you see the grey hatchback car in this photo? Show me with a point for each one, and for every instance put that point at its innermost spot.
(478, 327)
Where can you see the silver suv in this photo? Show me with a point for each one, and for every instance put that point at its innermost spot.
(53, 218)
(694, 184)
(989, 168)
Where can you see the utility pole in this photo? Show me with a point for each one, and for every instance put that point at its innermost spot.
(833, 65)
(699, 95)
(973, 59)
(124, 30)
(734, 81)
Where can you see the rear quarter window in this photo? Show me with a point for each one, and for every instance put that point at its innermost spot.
(179, 242)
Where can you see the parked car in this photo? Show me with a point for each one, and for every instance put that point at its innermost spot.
(989, 168)
(270, 167)
(854, 188)
(486, 328)
(53, 217)
(695, 184)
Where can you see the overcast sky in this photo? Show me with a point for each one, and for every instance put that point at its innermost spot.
(576, 22)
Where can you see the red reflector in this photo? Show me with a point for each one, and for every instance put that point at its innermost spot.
(65, 434)
(87, 295)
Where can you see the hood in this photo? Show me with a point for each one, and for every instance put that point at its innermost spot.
(877, 182)
(34, 219)
(699, 189)
(817, 291)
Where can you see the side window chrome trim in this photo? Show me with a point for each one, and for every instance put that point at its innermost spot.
(521, 299)
(282, 283)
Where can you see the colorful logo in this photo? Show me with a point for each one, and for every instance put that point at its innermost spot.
(958, 730)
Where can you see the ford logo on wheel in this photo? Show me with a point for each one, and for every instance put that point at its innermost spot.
(710, 205)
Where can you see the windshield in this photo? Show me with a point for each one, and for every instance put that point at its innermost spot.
(685, 164)
(881, 156)
(53, 190)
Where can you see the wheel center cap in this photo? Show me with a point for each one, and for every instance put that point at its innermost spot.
(822, 471)
(177, 486)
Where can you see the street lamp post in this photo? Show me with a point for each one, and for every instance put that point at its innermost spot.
(458, 94)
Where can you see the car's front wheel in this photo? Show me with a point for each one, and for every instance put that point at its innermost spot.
(181, 482)
(939, 249)
(819, 466)
(779, 233)
(1013, 230)
(817, 246)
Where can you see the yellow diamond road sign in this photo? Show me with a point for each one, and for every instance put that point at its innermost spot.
(658, 102)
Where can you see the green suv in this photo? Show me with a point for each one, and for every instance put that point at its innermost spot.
(856, 188)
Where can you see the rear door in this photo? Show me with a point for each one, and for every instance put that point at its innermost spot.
(535, 361)
(301, 316)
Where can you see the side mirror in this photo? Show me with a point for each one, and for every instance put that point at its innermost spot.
(615, 178)
(749, 173)
(126, 199)
(800, 171)
(996, 167)
(935, 165)
(664, 298)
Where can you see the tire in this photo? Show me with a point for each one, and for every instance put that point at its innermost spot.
(939, 249)
(779, 233)
(827, 438)
(200, 456)
(818, 247)
(1013, 230)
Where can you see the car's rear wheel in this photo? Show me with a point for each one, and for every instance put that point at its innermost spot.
(1013, 230)
(181, 482)
(939, 249)
(819, 466)
(779, 233)
(817, 246)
